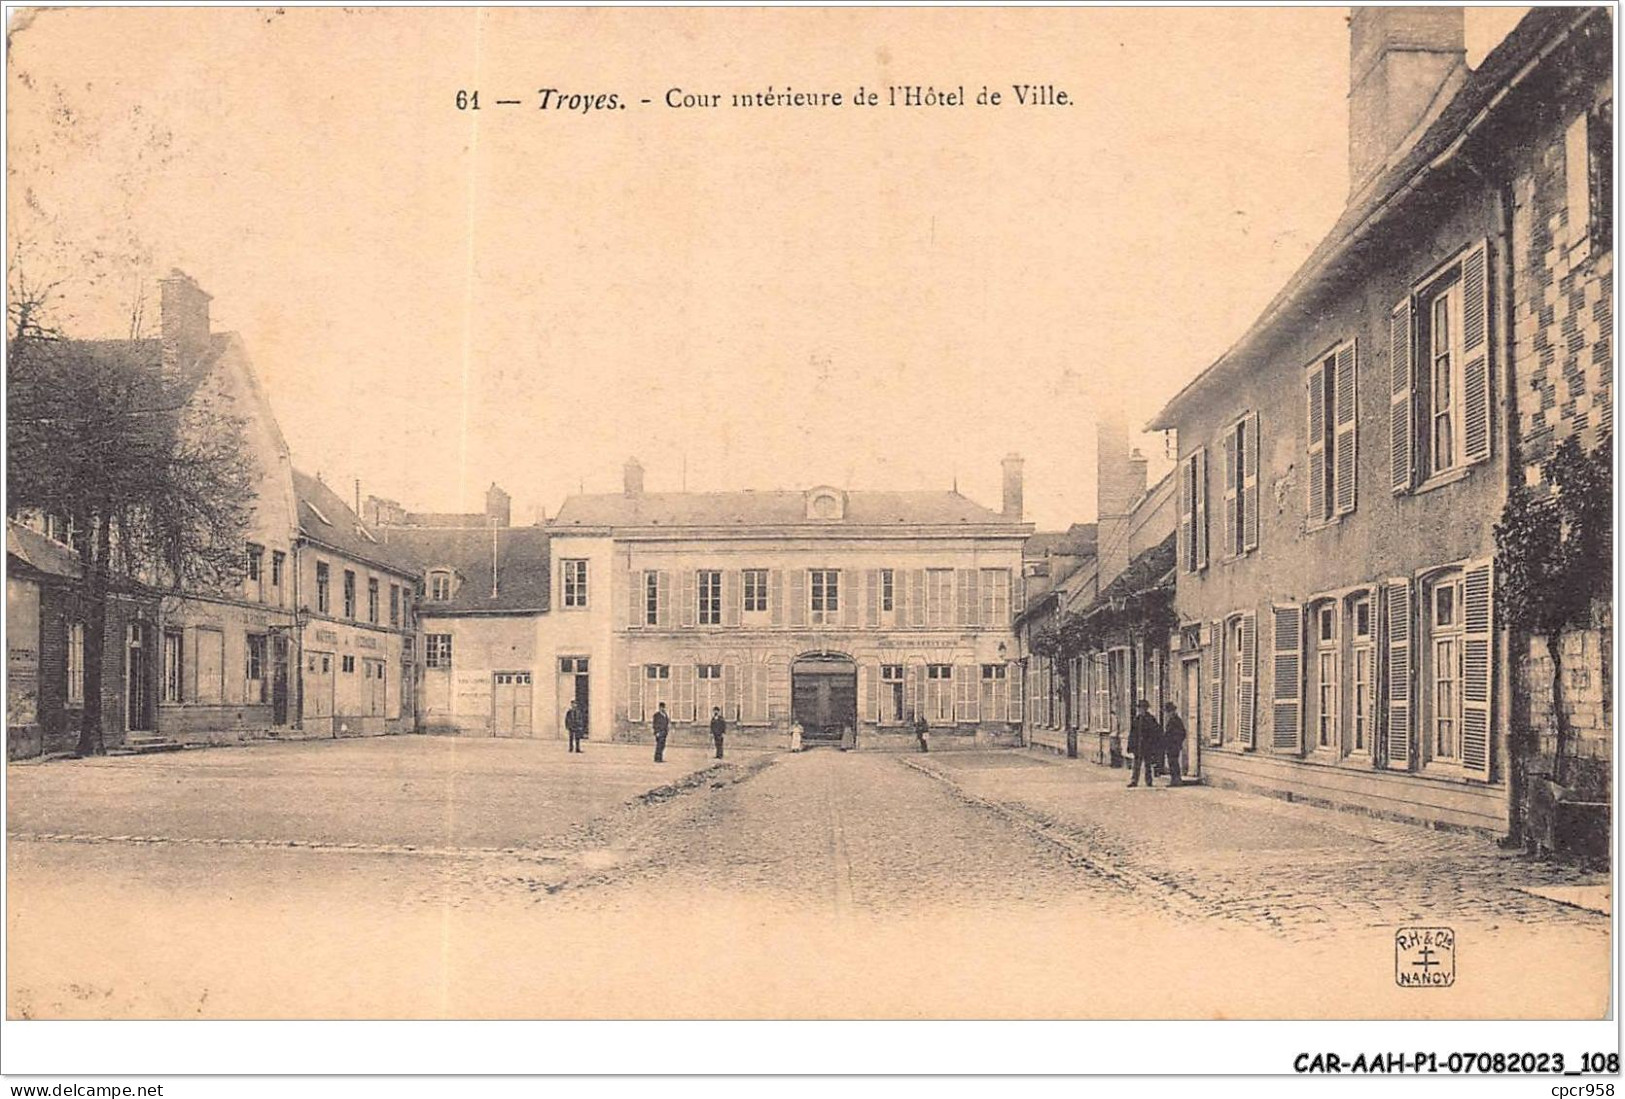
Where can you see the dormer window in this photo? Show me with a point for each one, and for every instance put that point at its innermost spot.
(440, 585)
(826, 504)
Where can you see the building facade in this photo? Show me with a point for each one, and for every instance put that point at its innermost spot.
(1342, 466)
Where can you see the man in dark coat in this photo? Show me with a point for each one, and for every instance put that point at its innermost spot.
(1144, 743)
(662, 725)
(573, 724)
(1173, 741)
(719, 726)
(922, 732)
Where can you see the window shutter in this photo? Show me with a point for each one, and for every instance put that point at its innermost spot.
(848, 595)
(685, 692)
(798, 597)
(1287, 648)
(634, 599)
(916, 603)
(1397, 613)
(663, 599)
(1402, 398)
(1187, 514)
(775, 597)
(871, 583)
(733, 596)
(634, 693)
(916, 690)
(1249, 488)
(1012, 677)
(1315, 436)
(730, 691)
(900, 595)
(1215, 679)
(1200, 515)
(1345, 439)
(1249, 680)
(1230, 501)
(778, 688)
(1475, 318)
(1476, 648)
(968, 709)
(689, 598)
(973, 612)
(871, 694)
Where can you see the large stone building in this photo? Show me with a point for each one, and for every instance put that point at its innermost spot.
(838, 609)
(1342, 466)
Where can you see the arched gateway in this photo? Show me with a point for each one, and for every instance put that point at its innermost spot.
(824, 696)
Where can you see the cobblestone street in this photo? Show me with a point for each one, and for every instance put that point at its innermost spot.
(419, 877)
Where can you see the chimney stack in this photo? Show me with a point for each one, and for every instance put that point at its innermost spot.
(1405, 64)
(183, 320)
(498, 506)
(1012, 487)
(632, 476)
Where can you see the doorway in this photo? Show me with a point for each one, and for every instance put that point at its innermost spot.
(137, 713)
(824, 697)
(574, 686)
(511, 698)
(279, 678)
(1190, 705)
(318, 688)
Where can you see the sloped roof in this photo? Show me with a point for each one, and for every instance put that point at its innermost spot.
(1147, 570)
(1479, 94)
(326, 518)
(522, 562)
(776, 508)
(40, 553)
(1078, 540)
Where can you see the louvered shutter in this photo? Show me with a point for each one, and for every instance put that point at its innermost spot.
(963, 579)
(1231, 502)
(775, 597)
(1247, 703)
(848, 595)
(730, 691)
(1287, 648)
(871, 583)
(689, 597)
(1012, 677)
(963, 701)
(916, 602)
(1249, 487)
(1475, 341)
(798, 597)
(663, 599)
(1200, 515)
(871, 694)
(733, 597)
(1402, 398)
(634, 599)
(916, 690)
(778, 688)
(685, 692)
(1476, 651)
(974, 602)
(1187, 514)
(902, 617)
(1315, 438)
(1345, 436)
(1215, 682)
(1397, 664)
(634, 693)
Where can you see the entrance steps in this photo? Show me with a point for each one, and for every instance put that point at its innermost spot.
(140, 744)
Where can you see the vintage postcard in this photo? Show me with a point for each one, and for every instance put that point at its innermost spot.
(800, 513)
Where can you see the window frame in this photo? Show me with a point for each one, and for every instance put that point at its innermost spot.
(324, 588)
(708, 603)
(172, 690)
(753, 591)
(349, 593)
(437, 650)
(823, 596)
(73, 669)
(573, 576)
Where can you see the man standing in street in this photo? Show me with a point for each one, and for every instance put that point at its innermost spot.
(573, 724)
(1144, 743)
(719, 726)
(662, 727)
(1173, 741)
(922, 732)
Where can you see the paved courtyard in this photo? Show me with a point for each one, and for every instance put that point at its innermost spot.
(426, 877)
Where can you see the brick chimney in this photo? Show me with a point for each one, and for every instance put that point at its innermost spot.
(1405, 64)
(1120, 475)
(498, 506)
(183, 311)
(632, 477)
(1012, 487)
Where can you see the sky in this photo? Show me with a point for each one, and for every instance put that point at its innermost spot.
(437, 298)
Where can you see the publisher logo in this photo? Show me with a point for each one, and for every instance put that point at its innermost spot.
(1424, 957)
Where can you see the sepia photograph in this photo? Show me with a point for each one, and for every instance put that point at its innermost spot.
(800, 513)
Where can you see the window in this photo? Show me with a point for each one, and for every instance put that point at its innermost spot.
(372, 600)
(324, 599)
(439, 586)
(1443, 378)
(939, 596)
(1193, 511)
(254, 668)
(278, 560)
(891, 694)
(755, 591)
(174, 665)
(1241, 486)
(437, 650)
(76, 664)
(1588, 171)
(394, 604)
(657, 689)
(888, 591)
(1361, 681)
(995, 599)
(826, 595)
(256, 572)
(710, 589)
(575, 582)
(1331, 436)
(572, 665)
(939, 693)
(1444, 671)
(1326, 677)
(211, 666)
(709, 691)
(651, 598)
(349, 593)
(349, 664)
(995, 692)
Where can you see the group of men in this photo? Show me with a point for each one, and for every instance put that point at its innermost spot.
(1156, 745)
(576, 724)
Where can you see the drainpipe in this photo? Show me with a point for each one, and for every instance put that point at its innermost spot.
(1515, 748)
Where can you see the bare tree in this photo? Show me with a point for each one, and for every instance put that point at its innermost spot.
(147, 464)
